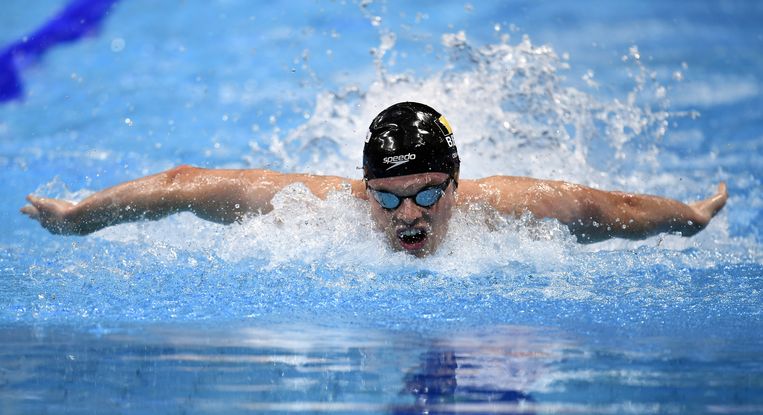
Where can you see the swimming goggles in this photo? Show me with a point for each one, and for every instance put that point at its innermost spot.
(425, 198)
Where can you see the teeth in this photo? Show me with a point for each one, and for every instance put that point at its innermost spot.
(410, 232)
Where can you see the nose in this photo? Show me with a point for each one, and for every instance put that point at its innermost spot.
(408, 212)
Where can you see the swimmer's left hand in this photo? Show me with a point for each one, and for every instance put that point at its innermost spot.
(708, 208)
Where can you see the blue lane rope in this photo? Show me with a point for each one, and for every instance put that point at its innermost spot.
(80, 18)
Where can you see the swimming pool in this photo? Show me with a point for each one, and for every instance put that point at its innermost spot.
(183, 316)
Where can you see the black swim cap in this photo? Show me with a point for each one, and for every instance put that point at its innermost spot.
(409, 138)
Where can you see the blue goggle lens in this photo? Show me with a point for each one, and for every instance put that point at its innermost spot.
(386, 200)
(425, 198)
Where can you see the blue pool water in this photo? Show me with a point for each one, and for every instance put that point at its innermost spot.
(304, 310)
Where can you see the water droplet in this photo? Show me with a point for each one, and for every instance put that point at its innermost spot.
(128, 122)
(634, 52)
(117, 44)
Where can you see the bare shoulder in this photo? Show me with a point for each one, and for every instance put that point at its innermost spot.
(320, 185)
(501, 192)
(501, 187)
(517, 194)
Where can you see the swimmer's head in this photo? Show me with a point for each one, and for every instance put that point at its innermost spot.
(409, 138)
(410, 165)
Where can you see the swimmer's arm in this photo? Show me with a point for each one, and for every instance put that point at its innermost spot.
(222, 196)
(594, 215)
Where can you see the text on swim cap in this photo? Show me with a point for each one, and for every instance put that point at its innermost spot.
(398, 160)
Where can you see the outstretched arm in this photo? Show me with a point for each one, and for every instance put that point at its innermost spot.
(595, 215)
(223, 196)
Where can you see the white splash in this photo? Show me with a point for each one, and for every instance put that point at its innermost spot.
(510, 109)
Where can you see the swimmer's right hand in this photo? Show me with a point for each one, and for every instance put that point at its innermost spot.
(53, 214)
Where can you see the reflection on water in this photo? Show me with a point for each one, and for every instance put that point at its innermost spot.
(438, 386)
(283, 369)
(353, 369)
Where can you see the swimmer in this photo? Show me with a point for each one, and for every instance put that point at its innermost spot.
(411, 185)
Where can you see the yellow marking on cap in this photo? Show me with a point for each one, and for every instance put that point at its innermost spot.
(445, 122)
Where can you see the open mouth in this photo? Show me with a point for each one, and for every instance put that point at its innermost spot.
(412, 239)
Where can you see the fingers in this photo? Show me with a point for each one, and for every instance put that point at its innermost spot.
(718, 201)
(36, 209)
(47, 205)
(39, 202)
(36, 202)
(711, 206)
(51, 213)
(722, 190)
(30, 211)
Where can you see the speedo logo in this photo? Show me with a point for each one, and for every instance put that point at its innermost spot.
(398, 160)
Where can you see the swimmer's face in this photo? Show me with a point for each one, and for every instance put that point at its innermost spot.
(412, 228)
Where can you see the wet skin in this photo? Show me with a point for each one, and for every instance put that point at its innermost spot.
(412, 228)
